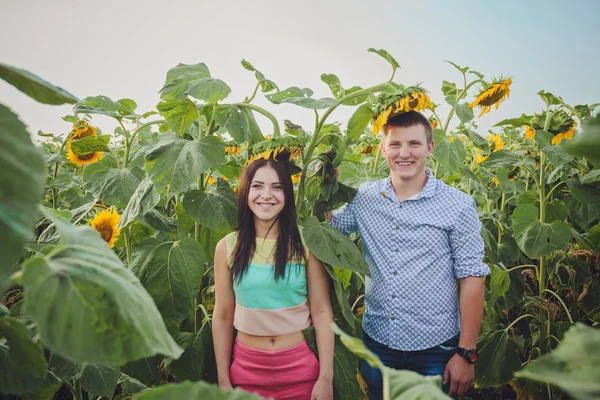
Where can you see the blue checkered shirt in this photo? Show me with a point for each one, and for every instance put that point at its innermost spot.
(416, 250)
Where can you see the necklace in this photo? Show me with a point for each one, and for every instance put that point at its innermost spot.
(269, 256)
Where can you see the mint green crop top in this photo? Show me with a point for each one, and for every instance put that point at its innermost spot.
(265, 307)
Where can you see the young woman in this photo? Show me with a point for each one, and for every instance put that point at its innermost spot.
(268, 286)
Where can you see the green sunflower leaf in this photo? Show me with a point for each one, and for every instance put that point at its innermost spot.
(464, 112)
(498, 359)
(179, 114)
(209, 89)
(110, 184)
(385, 55)
(235, 121)
(88, 307)
(332, 247)
(177, 162)
(16, 380)
(516, 122)
(300, 97)
(216, 210)
(90, 144)
(22, 183)
(143, 200)
(181, 78)
(198, 359)
(334, 84)
(171, 272)
(451, 155)
(98, 105)
(29, 355)
(35, 87)
(359, 121)
(502, 158)
(574, 366)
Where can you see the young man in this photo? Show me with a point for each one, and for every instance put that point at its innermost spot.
(419, 237)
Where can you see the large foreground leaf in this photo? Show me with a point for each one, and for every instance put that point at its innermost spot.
(404, 385)
(22, 186)
(35, 87)
(195, 390)
(178, 163)
(88, 307)
(574, 366)
(330, 246)
(451, 155)
(172, 273)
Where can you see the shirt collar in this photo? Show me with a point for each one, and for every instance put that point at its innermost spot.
(427, 191)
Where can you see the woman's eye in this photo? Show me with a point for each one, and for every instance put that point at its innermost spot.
(255, 186)
(277, 187)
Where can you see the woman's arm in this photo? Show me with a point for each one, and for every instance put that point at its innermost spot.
(222, 328)
(322, 317)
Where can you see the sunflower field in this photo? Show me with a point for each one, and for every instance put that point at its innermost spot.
(106, 272)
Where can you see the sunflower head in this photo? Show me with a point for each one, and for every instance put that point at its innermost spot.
(106, 222)
(492, 94)
(433, 122)
(529, 132)
(495, 180)
(412, 98)
(496, 142)
(480, 157)
(285, 149)
(232, 149)
(562, 125)
(82, 129)
(296, 178)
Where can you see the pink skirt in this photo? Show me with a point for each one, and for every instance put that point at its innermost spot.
(282, 374)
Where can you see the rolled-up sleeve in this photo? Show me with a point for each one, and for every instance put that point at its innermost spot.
(344, 218)
(467, 244)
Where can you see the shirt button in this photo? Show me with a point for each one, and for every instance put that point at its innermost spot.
(397, 227)
(400, 205)
(393, 318)
(396, 250)
(393, 296)
(395, 272)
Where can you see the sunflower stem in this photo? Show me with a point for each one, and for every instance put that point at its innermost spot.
(77, 393)
(376, 164)
(459, 98)
(553, 189)
(276, 131)
(127, 237)
(561, 302)
(127, 142)
(313, 141)
(253, 93)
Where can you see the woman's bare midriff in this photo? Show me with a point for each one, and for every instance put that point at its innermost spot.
(271, 343)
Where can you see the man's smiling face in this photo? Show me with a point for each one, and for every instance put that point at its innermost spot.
(406, 150)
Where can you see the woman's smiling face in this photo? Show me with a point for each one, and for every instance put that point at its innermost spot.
(266, 196)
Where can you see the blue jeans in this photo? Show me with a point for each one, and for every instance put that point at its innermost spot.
(430, 361)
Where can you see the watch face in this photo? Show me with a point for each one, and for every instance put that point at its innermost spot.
(473, 357)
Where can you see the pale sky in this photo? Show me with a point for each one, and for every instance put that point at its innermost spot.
(124, 48)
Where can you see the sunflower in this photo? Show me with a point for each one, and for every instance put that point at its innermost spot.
(479, 158)
(496, 142)
(562, 126)
(368, 149)
(106, 222)
(492, 94)
(211, 180)
(433, 122)
(529, 132)
(82, 130)
(296, 178)
(514, 174)
(413, 98)
(232, 150)
(495, 180)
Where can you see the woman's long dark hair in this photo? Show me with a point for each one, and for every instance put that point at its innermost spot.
(289, 244)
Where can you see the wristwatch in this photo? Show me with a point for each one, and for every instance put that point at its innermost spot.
(470, 355)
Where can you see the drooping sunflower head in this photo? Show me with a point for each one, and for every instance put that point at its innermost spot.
(296, 178)
(412, 98)
(562, 125)
(82, 129)
(106, 222)
(492, 94)
(496, 142)
(232, 150)
(285, 149)
(529, 132)
(434, 122)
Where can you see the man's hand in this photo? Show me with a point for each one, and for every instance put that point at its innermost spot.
(323, 390)
(461, 375)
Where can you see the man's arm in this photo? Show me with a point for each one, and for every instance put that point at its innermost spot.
(467, 254)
